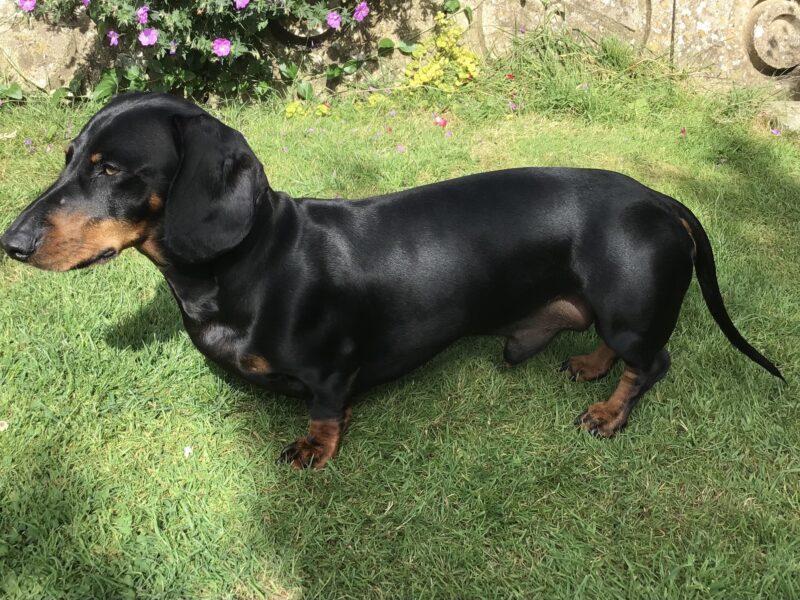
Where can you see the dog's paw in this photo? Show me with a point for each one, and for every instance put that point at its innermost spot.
(304, 453)
(582, 368)
(600, 421)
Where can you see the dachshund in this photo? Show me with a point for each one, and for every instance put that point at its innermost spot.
(325, 299)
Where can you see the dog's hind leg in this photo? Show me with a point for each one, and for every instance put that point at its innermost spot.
(636, 298)
(530, 335)
(604, 419)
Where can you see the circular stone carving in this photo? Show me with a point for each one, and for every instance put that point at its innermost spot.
(772, 36)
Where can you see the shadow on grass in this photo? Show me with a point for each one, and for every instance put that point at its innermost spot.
(49, 511)
(157, 321)
(757, 214)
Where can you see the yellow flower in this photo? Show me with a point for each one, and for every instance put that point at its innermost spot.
(375, 99)
(439, 61)
(295, 109)
(322, 110)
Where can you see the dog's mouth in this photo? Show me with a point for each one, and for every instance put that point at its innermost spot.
(104, 256)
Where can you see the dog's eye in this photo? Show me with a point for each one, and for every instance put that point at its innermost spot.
(109, 170)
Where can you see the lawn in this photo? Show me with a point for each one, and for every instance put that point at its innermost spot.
(465, 479)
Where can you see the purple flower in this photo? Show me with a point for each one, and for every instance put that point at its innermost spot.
(240, 4)
(523, 29)
(173, 46)
(774, 131)
(221, 46)
(86, 3)
(113, 38)
(27, 5)
(142, 13)
(512, 106)
(361, 12)
(400, 148)
(448, 133)
(334, 20)
(148, 37)
(392, 113)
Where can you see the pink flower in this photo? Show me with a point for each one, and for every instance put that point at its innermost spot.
(148, 37)
(440, 121)
(113, 38)
(86, 3)
(27, 5)
(221, 46)
(400, 148)
(361, 12)
(334, 20)
(448, 133)
(240, 4)
(142, 13)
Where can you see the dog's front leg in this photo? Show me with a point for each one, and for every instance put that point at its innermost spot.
(330, 418)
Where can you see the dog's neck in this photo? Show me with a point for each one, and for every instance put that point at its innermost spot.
(196, 286)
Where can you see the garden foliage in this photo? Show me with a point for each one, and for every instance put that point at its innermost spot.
(198, 47)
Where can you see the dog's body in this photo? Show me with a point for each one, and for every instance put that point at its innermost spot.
(324, 299)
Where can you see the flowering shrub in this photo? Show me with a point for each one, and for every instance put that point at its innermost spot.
(440, 61)
(196, 47)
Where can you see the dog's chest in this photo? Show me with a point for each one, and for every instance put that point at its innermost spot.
(211, 333)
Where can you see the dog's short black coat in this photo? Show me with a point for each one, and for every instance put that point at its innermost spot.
(324, 299)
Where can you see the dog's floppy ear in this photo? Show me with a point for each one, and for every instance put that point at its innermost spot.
(211, 203)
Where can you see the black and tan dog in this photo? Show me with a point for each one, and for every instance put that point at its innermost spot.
(324, 299)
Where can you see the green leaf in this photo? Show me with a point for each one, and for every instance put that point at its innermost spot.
(333, 71)
(451, 6)
(385, 44)
(352, 65)
(288, 71)
(133, 73)
(406, 47)
(305, 91)
(59, 94)
(13, 91)
(263, 88)
(468, 13)
(107, 86)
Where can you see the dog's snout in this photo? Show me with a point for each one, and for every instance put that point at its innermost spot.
(19, 244)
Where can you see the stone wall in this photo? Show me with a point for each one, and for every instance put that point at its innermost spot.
(725, 40)
(43, 55)
(721, 40)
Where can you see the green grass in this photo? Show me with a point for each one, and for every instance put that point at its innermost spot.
(464, 479)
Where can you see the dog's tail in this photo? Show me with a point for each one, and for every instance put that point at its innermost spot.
(707, 277)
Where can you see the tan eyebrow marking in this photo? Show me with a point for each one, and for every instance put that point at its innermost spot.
(96, 157)
(155, 202)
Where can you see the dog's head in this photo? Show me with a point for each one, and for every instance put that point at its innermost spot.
(148, 170)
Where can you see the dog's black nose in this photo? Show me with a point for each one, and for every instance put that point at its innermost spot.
(18, 244)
